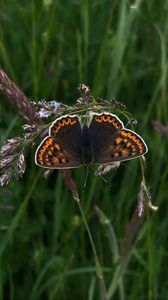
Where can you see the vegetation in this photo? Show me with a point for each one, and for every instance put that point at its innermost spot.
(118, 49)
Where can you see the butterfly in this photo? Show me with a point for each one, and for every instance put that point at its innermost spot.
(70, 144)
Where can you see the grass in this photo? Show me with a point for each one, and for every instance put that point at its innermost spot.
(118, 48)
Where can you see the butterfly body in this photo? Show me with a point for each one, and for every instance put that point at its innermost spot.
(70, 144)
(86, 146)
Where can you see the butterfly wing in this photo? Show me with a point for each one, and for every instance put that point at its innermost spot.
(112, 142)
(62, 148)
(67, 129)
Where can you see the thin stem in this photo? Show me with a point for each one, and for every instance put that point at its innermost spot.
(99, 271)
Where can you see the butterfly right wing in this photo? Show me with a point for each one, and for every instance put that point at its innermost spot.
(112, 142)
(102, 128)
(124, 145)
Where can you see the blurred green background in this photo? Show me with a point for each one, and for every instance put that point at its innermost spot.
(119, 49)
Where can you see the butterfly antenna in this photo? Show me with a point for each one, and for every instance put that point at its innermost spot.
(86, 178)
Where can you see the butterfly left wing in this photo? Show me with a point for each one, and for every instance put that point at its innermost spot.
(53, 154)
(67, 129)
(112, 142)
(62, 148)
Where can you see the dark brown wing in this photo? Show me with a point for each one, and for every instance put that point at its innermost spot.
(125, 145)
(62, 148)
(67, 129)
(53, 154)
(112, 142)
(102, 128)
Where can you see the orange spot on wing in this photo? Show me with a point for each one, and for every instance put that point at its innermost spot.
(129, 136)
(98, 119)
(128, 144)
(110, 119)
(55, 160)
(57, 147)
(116, 154)
(43, 149)
(115, 123)
(125, 152)
(61, 123)
(118, 140)
(67, 121)
(63, 160)
(104, 118)
(61, 155)
(72, 121)
(123, 133)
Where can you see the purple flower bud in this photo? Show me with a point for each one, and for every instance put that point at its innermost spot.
(6, 161)
(9, 147)
(5, 149)
(43, 104)
(83, 89)
(54, 104)
(14, 140)
(43, 113)
(29, 128)
(5, 178)
(21, 165)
